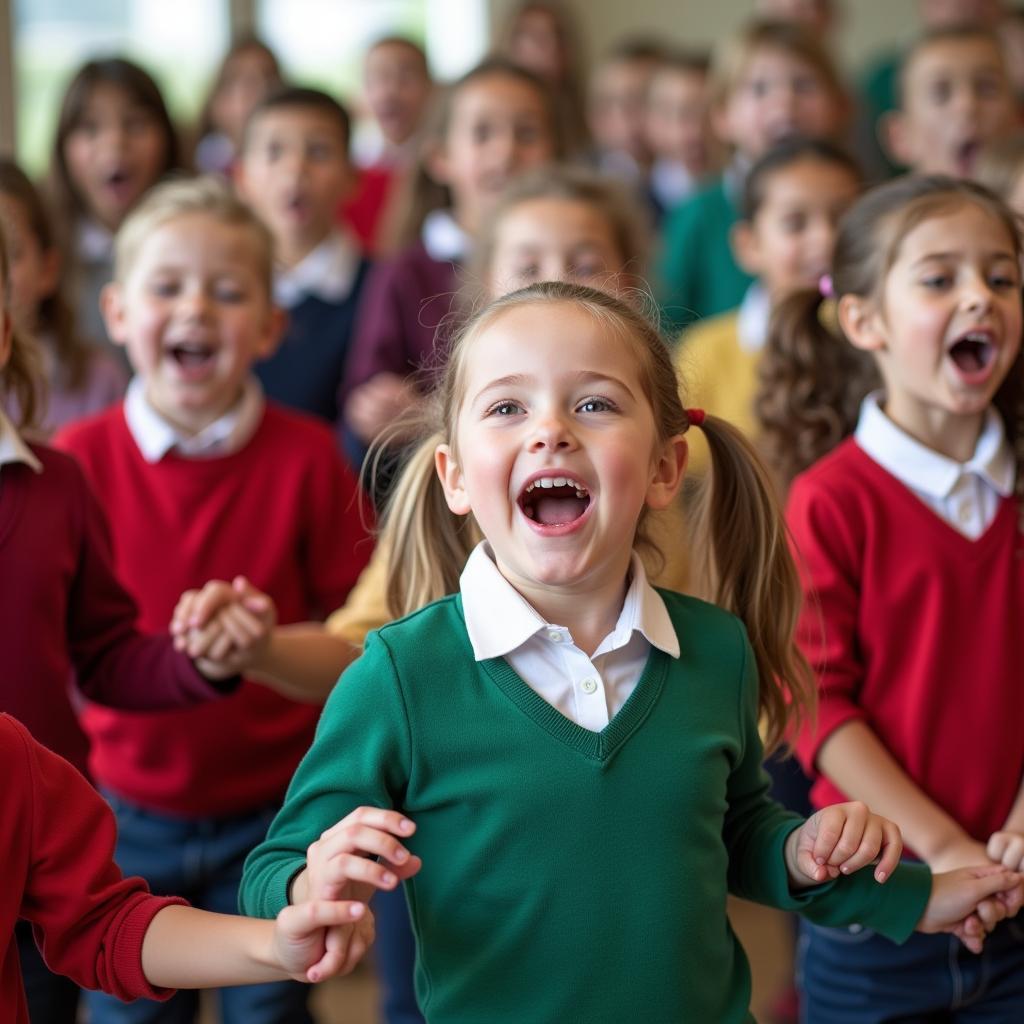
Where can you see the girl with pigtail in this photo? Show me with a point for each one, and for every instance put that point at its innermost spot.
(902, 388)
(557, 730)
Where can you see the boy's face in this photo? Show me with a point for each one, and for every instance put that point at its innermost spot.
(778, 95)
(617, 107)
(397, 88)
(194, 314)
(677, 118)
(956, 97)
(295, 170)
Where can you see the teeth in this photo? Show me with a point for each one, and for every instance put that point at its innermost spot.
(547, 482)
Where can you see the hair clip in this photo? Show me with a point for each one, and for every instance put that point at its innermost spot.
(825, 287)
(695, 417)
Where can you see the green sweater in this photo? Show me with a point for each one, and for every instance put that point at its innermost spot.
(567, 875)
(697, 273)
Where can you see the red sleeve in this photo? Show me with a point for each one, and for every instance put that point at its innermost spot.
(114, 663)
(338, 537)
(828, 558)
(88, 920)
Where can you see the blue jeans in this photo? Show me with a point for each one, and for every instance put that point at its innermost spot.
(200, 859)
(854, 976)
(394, 953)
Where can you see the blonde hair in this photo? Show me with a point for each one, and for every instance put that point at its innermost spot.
(627, 224)
(730, 60)
(747, 567)
(21, 379)
(179, 198)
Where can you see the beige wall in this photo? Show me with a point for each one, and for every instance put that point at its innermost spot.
(867, 26)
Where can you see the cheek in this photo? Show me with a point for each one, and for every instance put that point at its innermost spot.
(79, 155)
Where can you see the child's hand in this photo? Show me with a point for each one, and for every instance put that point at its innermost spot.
(342, 864)
(318, 939)
(970, 902)
(223, 627)
(383, 399)
(962, 852)
(842, 839)
(1007, 848)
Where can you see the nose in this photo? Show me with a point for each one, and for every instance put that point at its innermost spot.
(977, 293)
(193, 303)
(502, 149)
(551, 432)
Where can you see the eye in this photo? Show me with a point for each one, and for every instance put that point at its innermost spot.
(482, 133)
(758, 87)
(1002, 280)
(274, 150)
(228, 291)
(595, 404)
(937, 282)
(505, 407)
(319, 151)
(163, 287)
(941, 91)
(794, 223)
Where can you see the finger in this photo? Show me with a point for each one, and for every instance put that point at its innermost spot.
(214, 596)
(376, 817)
(339, 871)
(242, 626)
(1013, 856)
(200, 638)
(892, 850)
(852, 820)
(993, 881)
(183, 611)
(828, 824)
(361, 839)
(990, 912)
(221, 645)
(301, 920)
(997, 846)
(867, 849)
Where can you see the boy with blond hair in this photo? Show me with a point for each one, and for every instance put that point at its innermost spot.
(201, 476)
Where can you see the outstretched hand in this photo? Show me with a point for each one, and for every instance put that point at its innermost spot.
(841, 839)
(970, 902)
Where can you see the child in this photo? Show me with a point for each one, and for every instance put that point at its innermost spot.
(896, 529)
(248, 74)
(81, 378)
(955, 96)
(771, 81)
(793, 198)
(194, 444)
(107, 932)
(396, 88)
(678, 130)
(492, 124)
(294, 171)
(615, 110)
(114, 140)
(559, 724)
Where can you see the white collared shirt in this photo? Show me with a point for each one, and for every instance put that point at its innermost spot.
(966, 495)
(13, 448)
(327, 272)
(155, 436)
(95, 242)
(752, 319)
(671, 182)
(443, 238)
(589, 690)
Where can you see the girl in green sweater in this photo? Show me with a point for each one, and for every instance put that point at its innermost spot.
(562, 762)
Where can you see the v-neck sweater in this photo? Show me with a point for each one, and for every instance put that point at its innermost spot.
(567, 874)
(914, 629)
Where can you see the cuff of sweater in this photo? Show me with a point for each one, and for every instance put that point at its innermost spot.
(125, 977)
(272, 895)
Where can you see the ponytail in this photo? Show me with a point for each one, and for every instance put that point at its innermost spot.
(747, 569)
(811, 382)
(22, 381)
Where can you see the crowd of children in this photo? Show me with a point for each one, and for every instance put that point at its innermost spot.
(641, 453)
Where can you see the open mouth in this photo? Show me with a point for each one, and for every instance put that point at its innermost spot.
(966, 154)
(973, 353)
(554, 500)
(191, 355)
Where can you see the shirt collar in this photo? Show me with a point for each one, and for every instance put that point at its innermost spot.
(927, 471)
(95, 242)
(670, 182)
(499, 619)
(13, 448)
(155, 436)
(327, 272)
(443, 238)
(752, 320)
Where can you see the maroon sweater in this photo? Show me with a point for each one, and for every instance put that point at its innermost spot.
(64, 612)
(59, 874)
(284, 511)
(916, 630)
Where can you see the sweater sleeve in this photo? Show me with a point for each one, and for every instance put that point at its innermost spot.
(756, 829)
(114, 663)
(361, 756)
(89, 921)
(826, 552)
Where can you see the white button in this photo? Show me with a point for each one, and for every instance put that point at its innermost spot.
(589, 685)
(555, 637)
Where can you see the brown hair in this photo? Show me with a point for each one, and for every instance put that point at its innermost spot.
(747, 569)
(292, 97)
(946, 34)
(21, 379)
(241, 45)
(1001, 164)
(812, 380)
(730, 60)
(68, 204)
(627, 223)
(73, 352)
(417, 194)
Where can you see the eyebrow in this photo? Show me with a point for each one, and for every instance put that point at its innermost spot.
(582, 377)
(928, 257)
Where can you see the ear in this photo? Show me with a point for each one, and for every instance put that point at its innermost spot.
(894, 136)
(436, 163)
(668, 472)
(273, 330)
(745, 247)
(112, 308)
(721, 124)
(861, 323)
(450, 474)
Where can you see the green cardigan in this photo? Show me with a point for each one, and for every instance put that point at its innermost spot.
(567, 875)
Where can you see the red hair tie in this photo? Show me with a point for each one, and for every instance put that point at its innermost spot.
(695, 416)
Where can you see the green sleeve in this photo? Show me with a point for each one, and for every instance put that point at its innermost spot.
(756, 829)
(360, 756)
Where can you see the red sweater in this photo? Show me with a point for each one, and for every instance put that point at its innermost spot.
(63, 611)
(284, 511)
(59, 874)
(916, 630)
